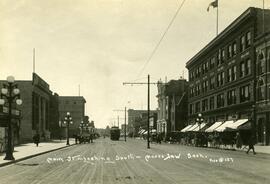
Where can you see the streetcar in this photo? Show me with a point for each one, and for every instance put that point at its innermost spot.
(115, 133)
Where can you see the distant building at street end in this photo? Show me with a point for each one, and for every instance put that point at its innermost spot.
(137, 119)
(172, 106)
(76, 106)
(228, 78)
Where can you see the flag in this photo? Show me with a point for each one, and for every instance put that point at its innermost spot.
(214, 4)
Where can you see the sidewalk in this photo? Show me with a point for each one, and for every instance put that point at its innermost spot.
(29, 150)
(258, 148)
(262, 149)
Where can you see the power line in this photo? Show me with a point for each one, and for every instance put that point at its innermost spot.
(162, 37)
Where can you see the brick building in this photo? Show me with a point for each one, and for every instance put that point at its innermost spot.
(222, 76)
(35, 95)
(76, 106)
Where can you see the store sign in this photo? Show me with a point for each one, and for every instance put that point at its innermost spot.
(13, 111)
(38, 81)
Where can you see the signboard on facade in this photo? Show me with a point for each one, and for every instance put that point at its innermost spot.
(13, 111)
(38, 81)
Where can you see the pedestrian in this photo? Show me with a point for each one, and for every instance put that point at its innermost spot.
(36, 139)
(251, 143)
(239, 141)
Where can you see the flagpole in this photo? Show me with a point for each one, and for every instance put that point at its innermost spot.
(217, 16)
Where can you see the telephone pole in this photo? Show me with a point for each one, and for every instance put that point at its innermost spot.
(148, 104)
(125, 128)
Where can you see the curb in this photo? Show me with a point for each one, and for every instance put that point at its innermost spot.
(31, 156)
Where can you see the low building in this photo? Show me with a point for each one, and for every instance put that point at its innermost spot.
(35, 113)
(137, 120)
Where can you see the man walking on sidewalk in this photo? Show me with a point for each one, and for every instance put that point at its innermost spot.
(251, 143)
(36, 139)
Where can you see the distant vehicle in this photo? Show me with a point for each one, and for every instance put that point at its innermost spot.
(115, 133)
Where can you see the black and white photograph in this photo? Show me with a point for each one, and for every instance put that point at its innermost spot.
(134, 91)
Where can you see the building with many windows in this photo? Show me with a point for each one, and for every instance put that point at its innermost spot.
(223, 75)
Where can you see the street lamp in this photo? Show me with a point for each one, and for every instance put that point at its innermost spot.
(68, 120)
(11, 92)
(199, 120)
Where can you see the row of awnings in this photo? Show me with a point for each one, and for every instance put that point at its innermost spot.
(144, 132)
(219, 126)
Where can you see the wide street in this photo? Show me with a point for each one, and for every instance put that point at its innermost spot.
(106, 161)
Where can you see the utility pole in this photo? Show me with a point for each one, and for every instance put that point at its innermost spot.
(148, 104)
(125, 129)
(125, 124)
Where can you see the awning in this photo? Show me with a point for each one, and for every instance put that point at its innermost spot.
(199, 127)
(141, 131)
(236, 124)
(193, 127)
(222, 127)
(213, 127)
(186, 128)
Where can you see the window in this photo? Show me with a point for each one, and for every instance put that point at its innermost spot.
(248, 39)
(197, 107)
(244, 93)
(231, 74)
(212, 63)
(261, 89)
(261, 64)
(199, 89)
(205, 105)
(242, 43)
(242, 69)
(212, 83)
(206, 66)
(248, 67)
(230, 51)
(231, 98)
(220, 100)
(245, 68)
(222, 55)
(219, 57)
(212, 102)
(204, 86)
(220, 79)
(234, 51)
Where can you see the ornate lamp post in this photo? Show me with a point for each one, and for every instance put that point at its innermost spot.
(11, 92)
(199, 120)
(68, 120)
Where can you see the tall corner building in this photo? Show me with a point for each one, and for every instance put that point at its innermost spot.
(229, 77)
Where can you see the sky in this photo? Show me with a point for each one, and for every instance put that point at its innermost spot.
(99, 44)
